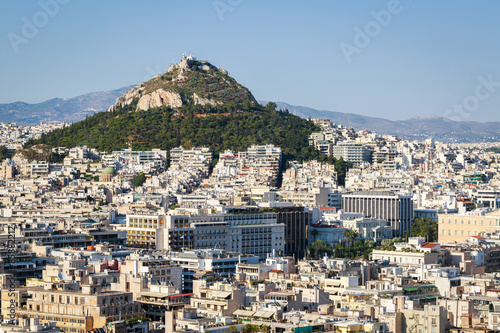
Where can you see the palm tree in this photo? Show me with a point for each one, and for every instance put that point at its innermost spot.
(314, 233)
(351, 235)
(347, 232)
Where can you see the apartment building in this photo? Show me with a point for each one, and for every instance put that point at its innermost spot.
(217, 300)
(79, 310)
(197, 157)
(35, 169)
(353, 152)
(221, 263)
(7, 170)
(142, 228)
(433, 318)
(415, 259)
(316, 197)
(159, 269)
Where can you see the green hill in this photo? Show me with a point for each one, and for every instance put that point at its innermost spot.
(220, 127)
(213, 110)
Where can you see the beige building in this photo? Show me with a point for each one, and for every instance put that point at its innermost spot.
(35, 169)
(7, 171)
(76, 310)
(457, 228)
(432, 319)
(458, 311)
(142, 228)
(158, 270)
(217, 300)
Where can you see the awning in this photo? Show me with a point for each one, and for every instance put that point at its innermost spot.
(243, 313)
(238, 312)
(153, 294)
(259, 313)
(311, 317)
(268, 314)
(222, 294)
(410, 289)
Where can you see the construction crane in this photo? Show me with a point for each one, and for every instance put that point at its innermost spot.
(131, 142)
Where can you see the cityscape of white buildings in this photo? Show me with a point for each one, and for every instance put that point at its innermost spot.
(251, 240)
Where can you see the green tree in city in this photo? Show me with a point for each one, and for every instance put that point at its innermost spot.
(425, 227)
(139, 179)
(319, 247)
(314, 233)
(350, 234)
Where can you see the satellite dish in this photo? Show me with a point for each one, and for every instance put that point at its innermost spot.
(62, 276)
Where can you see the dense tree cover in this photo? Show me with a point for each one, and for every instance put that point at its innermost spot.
(495, 150)
(3, 153)
(317, 249)
(350, 234)
(139, 179)
(221, 127)
(359, 248)
(425, 227)
(352, 251)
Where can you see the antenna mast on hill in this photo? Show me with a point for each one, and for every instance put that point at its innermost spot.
(173, 59)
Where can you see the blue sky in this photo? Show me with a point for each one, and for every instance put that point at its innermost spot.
(425, 58)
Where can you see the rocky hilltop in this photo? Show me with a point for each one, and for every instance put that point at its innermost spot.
(190, 81)
(192, 104)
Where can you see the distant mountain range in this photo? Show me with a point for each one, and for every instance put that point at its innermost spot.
(60, 109)
(415, 128)
(78, 108)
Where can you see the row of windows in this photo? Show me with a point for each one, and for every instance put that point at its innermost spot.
(462, 221)
(145, 220)
(133, 232)
(58, 319)
(150, 226)
(62, 299)
(462, 232)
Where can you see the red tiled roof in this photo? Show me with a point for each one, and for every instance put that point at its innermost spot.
(274, 271)
(429, 245)
(325, 226)
(180, 295)
(478, 237)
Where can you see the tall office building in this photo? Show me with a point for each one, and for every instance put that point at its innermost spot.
(391, 206)
(296, 221)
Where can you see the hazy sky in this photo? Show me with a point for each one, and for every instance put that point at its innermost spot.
(391, 59)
